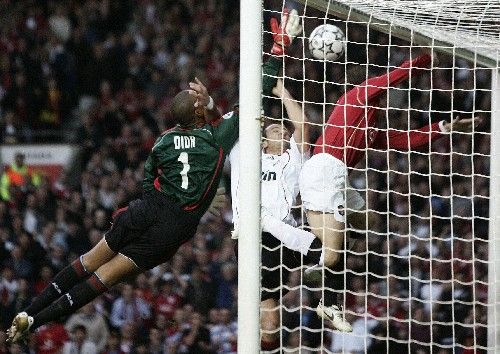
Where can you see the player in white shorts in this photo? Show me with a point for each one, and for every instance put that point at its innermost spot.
(352, 127)
(281, 164)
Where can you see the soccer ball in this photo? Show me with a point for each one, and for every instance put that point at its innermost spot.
(327, 42)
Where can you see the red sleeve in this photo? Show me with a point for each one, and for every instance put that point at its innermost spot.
(409, 140)
(375, 86)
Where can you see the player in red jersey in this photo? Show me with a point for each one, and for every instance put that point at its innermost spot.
(351, 129)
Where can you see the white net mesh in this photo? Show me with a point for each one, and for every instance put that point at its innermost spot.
(470, 28)
(417, 280)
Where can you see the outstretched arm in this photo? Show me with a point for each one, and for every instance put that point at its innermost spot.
(283, 35)
(408, 140)
(464, 125)
(415, 139)
(375, 86)
(294, 110)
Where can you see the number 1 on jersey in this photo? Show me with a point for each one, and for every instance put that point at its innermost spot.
(184, 159)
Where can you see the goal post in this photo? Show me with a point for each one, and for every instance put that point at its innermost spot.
(250, 95)
(494, 235)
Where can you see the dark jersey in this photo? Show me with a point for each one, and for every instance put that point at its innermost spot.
(185, 164)
(352, 126)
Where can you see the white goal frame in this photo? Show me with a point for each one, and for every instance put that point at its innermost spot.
(494, 223)
(249, 197)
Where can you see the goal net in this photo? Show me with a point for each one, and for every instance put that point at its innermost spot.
(423, 278)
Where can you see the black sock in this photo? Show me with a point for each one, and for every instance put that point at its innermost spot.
(314, 254)
(63, 281)
(71, 301)
(333, 284)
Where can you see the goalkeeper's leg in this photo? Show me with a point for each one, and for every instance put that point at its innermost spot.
(79, 270)
(99, 282)
(73, 287)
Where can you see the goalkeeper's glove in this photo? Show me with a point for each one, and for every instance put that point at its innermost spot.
(218, 202)
(286, 31)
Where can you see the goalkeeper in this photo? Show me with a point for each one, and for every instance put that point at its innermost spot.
(352, 128)
(182, 173)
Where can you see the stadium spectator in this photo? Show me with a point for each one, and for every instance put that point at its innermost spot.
(50, 338)
(200, 291)
(79, 342)
(17, 178)
(155, 345)
(224, 333)
(113, 344)
(195, 337)
(128, 335)
(129, 308)
(11, 132)
(167, 301)
(225, 286)
(94, 323)
(293, 344)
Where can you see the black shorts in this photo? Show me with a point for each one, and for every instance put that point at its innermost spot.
(150, 230)
(275, 261)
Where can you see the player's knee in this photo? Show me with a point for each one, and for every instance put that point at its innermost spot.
(269, 323)
(331, 258)
(89, 263)
(97, 256)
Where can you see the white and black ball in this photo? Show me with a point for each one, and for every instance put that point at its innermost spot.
(327, 42)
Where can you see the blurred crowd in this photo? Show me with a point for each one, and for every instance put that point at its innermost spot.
(100, 75)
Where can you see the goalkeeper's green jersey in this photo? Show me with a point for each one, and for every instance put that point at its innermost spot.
(186, 164)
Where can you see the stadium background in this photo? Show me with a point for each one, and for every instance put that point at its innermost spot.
(97, 76)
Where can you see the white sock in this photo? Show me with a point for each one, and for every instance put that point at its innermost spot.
(293, 238)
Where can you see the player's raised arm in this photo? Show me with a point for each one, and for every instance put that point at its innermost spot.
(283, 35)
(203, 99)
(226, 129)
(294, 110)
(375, 86)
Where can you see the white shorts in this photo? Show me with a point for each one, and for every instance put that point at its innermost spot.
(324, 186)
